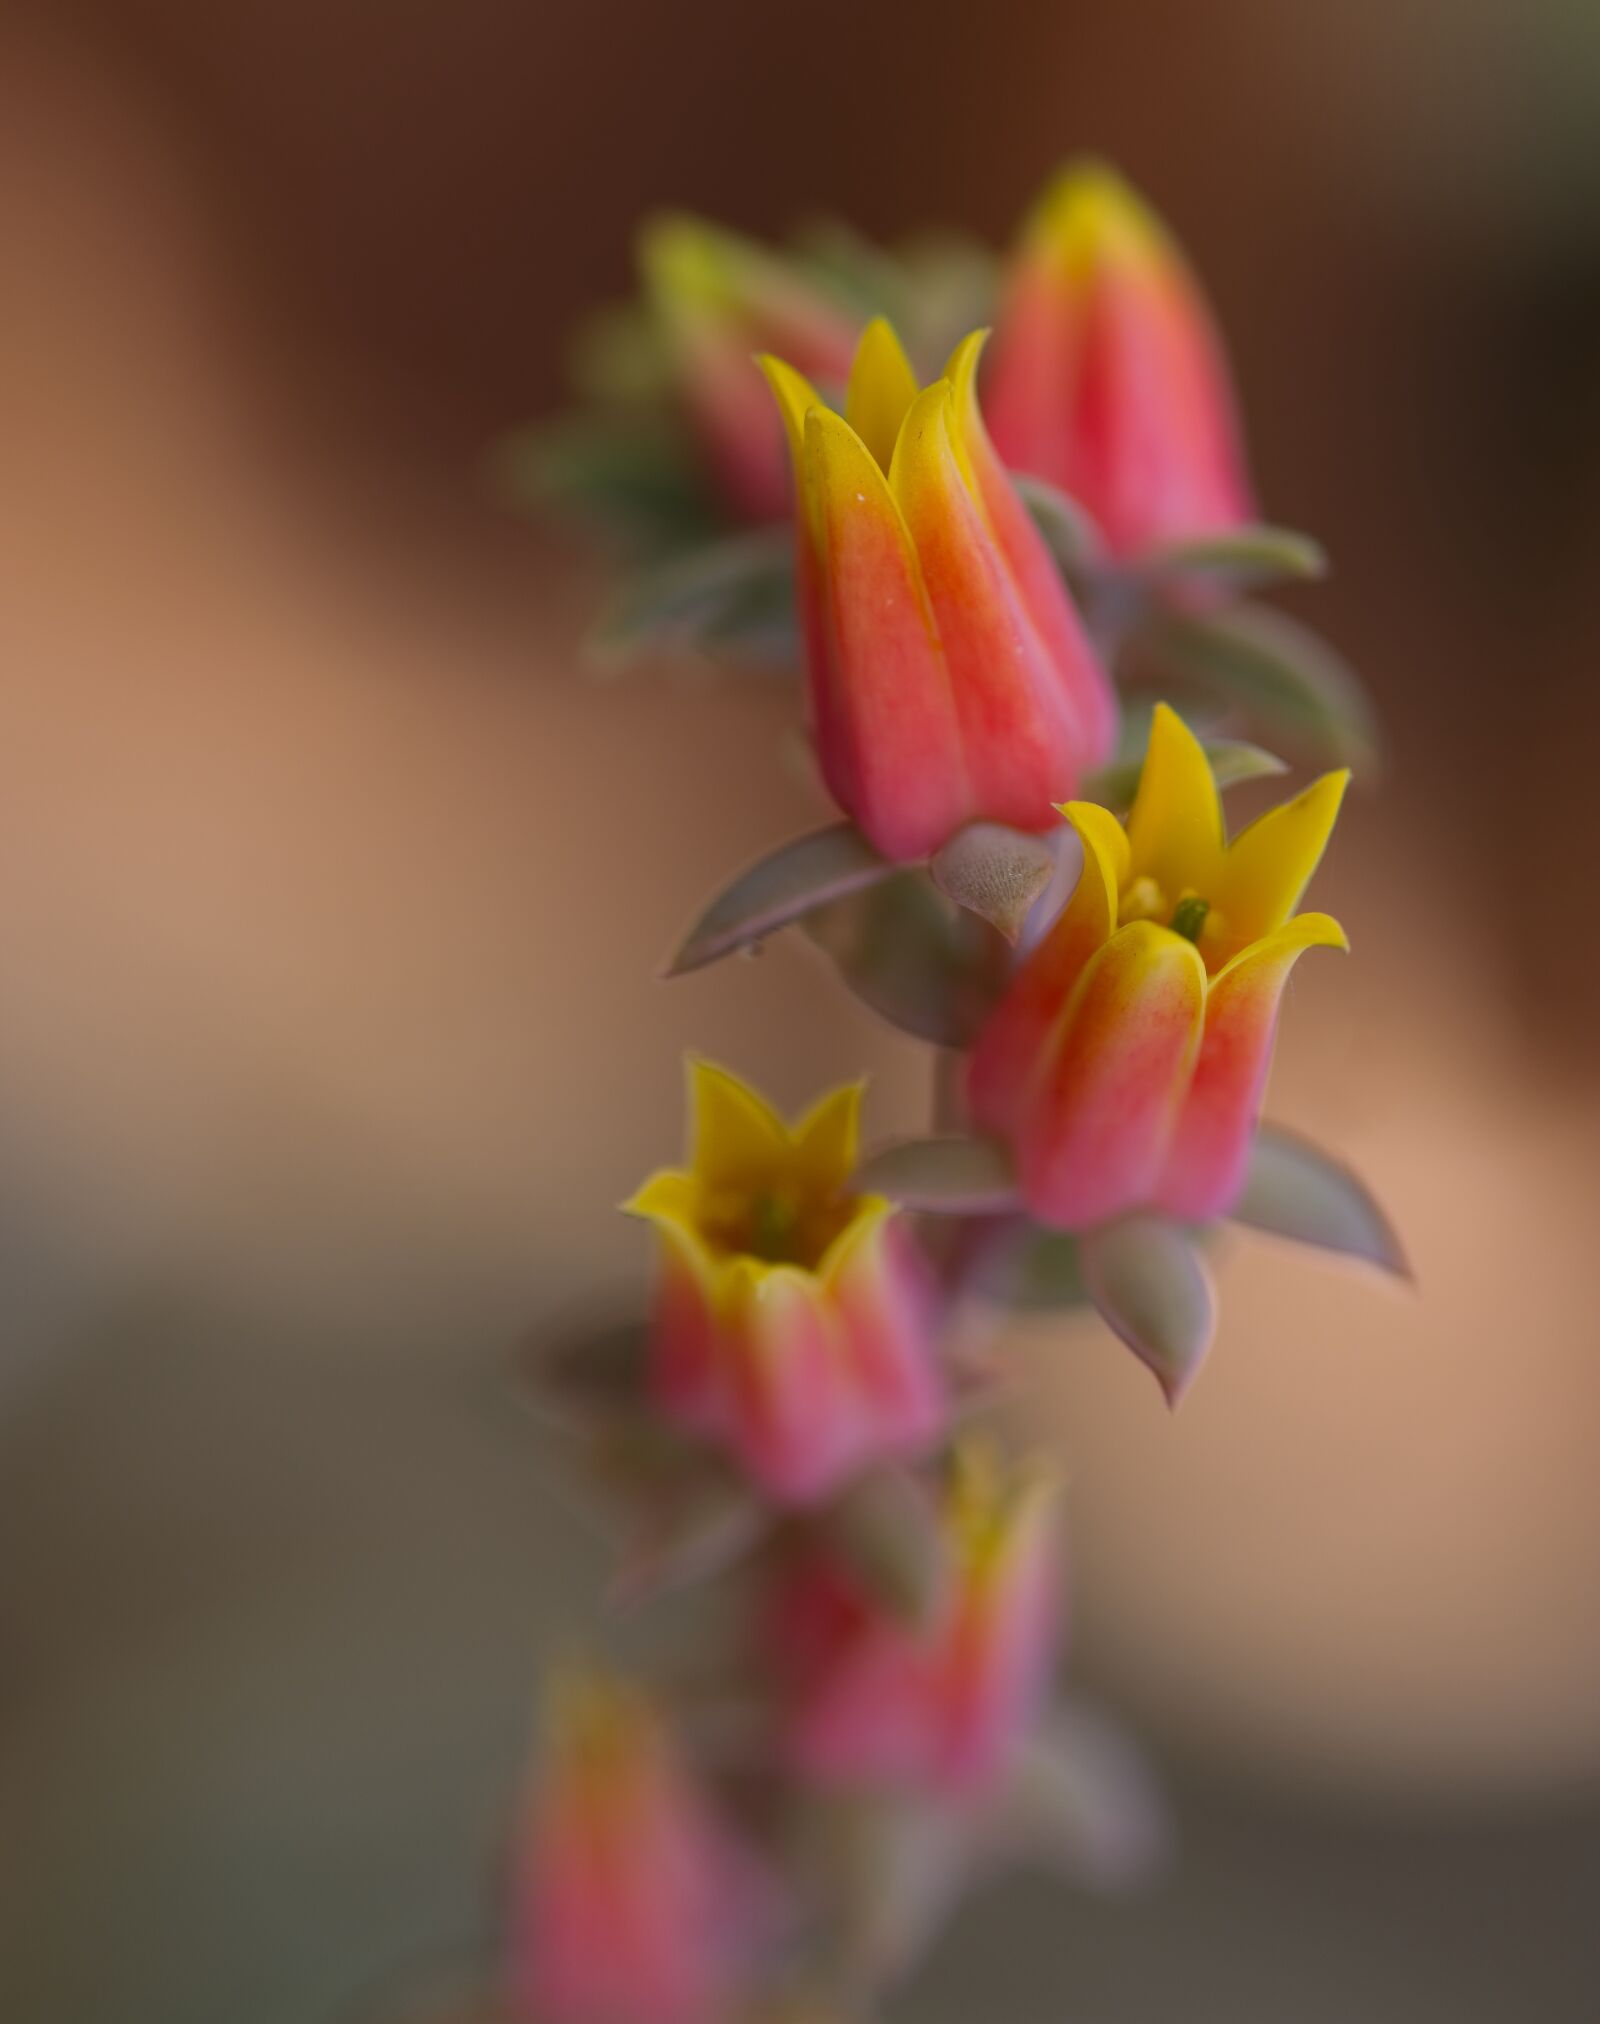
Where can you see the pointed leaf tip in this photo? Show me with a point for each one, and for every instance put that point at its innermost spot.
(1245, 558)
(1154, 1292)
(994, 872)
(1296, 1190)
(803, 876)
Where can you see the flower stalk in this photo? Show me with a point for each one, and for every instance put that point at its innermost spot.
(1034, 876)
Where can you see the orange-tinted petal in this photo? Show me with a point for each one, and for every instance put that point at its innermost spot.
(887, 733)
(1020, 727)
(1210, 1151)
(1033, 568)
(1108, 378)
(1093, 1141)
(1007, 1056)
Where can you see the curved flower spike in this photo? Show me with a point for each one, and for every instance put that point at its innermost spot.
(719, 298)
(949, 677)
(793, 1319)
(632, 1904)
(1126, 1064)
(1108, 378)
(878, 1700)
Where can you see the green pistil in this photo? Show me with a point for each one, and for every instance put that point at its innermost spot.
(1189, 916)
(772, 1228)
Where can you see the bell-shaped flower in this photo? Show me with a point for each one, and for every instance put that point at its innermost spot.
(793, 1323)
(949, 678)
(1107, 377)
(631, 1901)
(718, 299)
(1126, 1063)
(878, 1700)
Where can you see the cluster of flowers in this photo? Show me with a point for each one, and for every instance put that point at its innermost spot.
(1033, 872)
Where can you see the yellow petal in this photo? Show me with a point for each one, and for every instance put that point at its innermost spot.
(1270, 864)
(882, 387)
(738, 1138)
(868, 1214)
(796, 397)
(965, 420)
(826, 1140)
(670, 1200)
(1305, 931)
(666, 1197)
(1093, 905)
(846, 492)
(1175, 832)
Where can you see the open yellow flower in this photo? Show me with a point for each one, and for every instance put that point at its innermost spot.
(1127, 1061)
(792, 1321)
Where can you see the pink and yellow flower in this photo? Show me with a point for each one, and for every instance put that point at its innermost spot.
(1108, 378)
(949, 677)
(878, 1701)
(793, 1322)
(718, 299)
(632, 1903)
(1126, 1064)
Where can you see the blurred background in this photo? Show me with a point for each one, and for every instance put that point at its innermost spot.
(330, 896)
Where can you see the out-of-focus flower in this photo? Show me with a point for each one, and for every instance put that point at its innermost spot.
(878, 1700)
(793, 1320)
(949, 676)
(718, 299)
(632, 1903)
(1107, 377)
(1126, 1063)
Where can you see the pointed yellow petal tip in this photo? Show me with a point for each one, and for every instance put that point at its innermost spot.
(828, 1137)
(868, 1214)
(796, 397)
(1321, 931)
(961, 371)
(666, 1198)
(882, 388)
(712, 1085)
(1166, 724)
(961, 368)
(1090, 212)
(927, 433)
